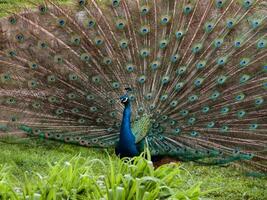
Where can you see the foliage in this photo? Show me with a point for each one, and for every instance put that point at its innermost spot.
(232, 182)
(26, 161)
(7, 6)
(78, 178)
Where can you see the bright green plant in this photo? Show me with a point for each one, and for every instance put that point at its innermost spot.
(33, 155)
(134, 178)
(6, 189)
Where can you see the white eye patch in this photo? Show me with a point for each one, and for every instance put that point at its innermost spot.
(125, 100)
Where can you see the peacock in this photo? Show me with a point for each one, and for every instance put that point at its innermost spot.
(185, 78)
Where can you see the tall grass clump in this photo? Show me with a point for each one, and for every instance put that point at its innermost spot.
(120, 179)
(6, 189)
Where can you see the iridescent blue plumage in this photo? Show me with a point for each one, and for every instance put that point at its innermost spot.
(126, 146)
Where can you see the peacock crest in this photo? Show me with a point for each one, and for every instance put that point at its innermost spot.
(196, 69)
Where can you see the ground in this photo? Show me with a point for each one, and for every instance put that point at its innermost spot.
(228, 182)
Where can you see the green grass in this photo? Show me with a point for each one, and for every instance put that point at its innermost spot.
(34, 156)
(36, 169)
(7, 6)
(233, 182)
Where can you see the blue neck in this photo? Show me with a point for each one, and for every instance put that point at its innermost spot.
(126, 132)
(126, 146)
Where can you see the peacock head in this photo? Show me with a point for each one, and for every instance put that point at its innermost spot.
(125, 98)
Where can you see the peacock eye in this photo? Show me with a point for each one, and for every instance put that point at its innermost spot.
(115, 3)
(43, 9)
(82, 2)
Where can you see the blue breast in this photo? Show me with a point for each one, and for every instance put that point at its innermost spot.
(126, 146)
